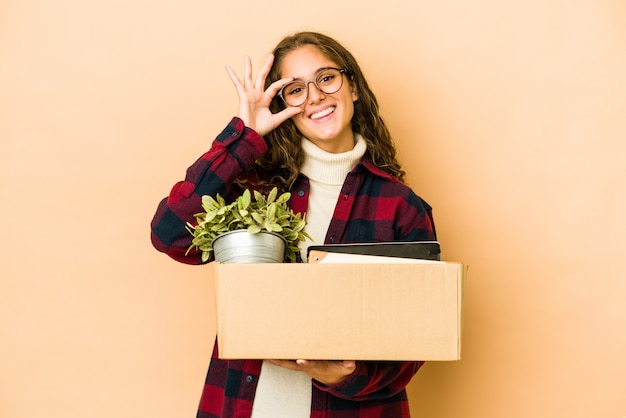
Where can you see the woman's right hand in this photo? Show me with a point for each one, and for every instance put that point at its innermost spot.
(254, 102)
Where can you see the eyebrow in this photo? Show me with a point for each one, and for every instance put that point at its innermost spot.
(314, 74)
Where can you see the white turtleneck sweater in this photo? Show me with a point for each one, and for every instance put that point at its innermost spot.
(282, 392)
(327, 173)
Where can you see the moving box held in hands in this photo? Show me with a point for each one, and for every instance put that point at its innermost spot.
(348, 311)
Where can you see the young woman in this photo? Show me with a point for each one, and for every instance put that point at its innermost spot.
(307, 123)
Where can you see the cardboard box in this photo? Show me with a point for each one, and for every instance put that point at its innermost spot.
(339, 311)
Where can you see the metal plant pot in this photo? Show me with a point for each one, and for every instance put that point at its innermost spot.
(244, 247)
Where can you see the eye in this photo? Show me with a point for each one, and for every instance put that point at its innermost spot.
(325, 78)
(294, 89)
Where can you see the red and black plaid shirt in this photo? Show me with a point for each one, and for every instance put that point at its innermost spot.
(372, 207)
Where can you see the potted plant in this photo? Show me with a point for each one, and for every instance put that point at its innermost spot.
(247, 230)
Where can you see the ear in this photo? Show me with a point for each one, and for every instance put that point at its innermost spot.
(355, 94)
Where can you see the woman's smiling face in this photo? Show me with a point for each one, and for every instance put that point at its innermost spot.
(325, 118)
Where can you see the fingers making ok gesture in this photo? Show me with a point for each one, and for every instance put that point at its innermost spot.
(254, 99)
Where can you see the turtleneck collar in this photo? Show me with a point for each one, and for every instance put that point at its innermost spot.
(329, 168)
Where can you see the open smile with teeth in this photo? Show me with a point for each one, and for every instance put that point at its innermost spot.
(325, 112)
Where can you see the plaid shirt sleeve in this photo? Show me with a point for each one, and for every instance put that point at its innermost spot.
(234, 150)
(374, 380)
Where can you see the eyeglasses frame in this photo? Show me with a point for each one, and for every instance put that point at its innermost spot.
(342, 71)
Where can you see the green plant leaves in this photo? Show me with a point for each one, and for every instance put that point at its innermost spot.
(272, 196)
(254, 229)
(258, 218)
(283, 198)
(243, 201)
(270, 213)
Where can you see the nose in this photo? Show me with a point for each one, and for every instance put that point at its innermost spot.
(315, 94)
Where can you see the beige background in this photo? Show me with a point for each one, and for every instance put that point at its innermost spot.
(510, 119)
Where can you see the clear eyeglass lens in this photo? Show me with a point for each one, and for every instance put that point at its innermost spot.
(328, 81)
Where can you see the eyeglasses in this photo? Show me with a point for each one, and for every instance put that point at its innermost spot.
(327, 80)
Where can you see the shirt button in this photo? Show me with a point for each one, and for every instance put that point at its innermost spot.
(301, 193)
(249, 379)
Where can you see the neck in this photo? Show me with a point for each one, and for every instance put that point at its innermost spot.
(328, 167)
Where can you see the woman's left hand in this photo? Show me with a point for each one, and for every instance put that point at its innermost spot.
(324, 371)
